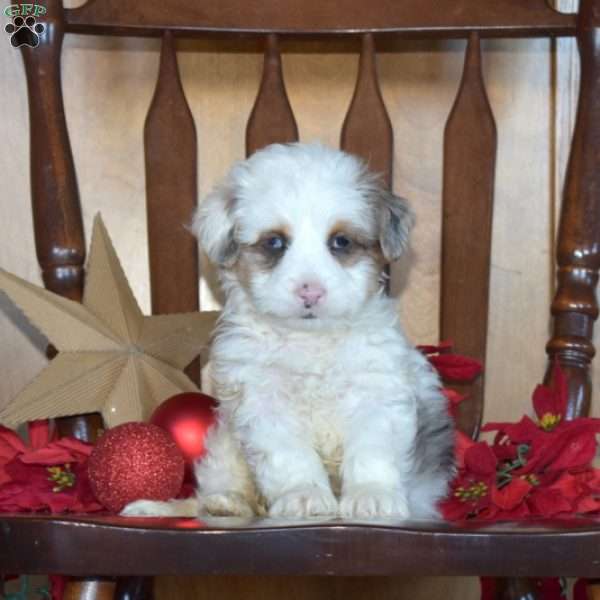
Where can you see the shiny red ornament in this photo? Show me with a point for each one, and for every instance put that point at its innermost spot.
(135, 461)
(187, 417)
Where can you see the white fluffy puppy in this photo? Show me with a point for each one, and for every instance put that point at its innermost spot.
(325, 408)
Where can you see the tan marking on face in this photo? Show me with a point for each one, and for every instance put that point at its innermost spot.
(364, 248)
(255, 258)
(361, 244)
(282, 230)
(357, 234)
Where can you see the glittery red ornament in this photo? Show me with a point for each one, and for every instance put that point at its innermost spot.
(187, 417)
(135, 461)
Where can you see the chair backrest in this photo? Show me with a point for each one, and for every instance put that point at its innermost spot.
(469, 148)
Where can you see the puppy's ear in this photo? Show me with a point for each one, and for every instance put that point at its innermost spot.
(395, 220)
(214, 227)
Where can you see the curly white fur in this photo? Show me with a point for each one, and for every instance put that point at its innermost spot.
(325, 408)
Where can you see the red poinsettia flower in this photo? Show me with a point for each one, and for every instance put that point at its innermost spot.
(471, 492)
(555, 443)
(532, 469)
(484, 488)
(46, 474)
(550, 405)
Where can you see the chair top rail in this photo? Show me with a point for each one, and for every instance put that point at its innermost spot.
(426, 18)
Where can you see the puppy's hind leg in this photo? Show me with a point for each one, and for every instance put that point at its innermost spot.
(225, 484)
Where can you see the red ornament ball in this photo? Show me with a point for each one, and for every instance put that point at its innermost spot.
(187, 417)
(135, 461)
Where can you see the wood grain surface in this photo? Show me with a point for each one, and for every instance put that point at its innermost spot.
(442, 17)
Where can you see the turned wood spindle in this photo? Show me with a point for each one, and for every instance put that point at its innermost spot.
(575, 307)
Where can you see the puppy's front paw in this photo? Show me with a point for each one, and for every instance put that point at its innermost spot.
(369, 501)
(308, 501)
(226, 504)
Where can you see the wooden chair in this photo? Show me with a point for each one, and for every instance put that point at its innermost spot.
(99, 550)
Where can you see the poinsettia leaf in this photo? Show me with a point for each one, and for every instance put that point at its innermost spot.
(480, 459)
(47, 456)
(462, 443)
(587, 504)
(454, 399)
(592, 479)
(489, 513)
(453, 367)
(580, 424)
(504, 451)
(4, 476)
(58, 585)
(75, 446)
(454, 510)
(561, 388)
(10, 444)
(543, 450)
(570, 485)
(552, 399)
(578, 451)
(512, 494)
(59, 502)
(543, 401)
(522, 432)
(38, 433)
(441, 348)
(550, 588)
(546, 449)
(521, 511)
(549, 502)
(33, 476)
(29, 500)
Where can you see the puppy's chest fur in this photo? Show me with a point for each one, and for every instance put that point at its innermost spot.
(317, 391)
(301, 377)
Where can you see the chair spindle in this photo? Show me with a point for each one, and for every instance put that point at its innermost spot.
(575, 307)
(272, 119)
(57, 221)
(171, 193)
(367, 129)
(171, 190)
(468, 189)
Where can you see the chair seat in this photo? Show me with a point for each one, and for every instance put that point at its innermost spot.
(114, 546)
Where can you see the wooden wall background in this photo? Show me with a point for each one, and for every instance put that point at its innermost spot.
(108, 84)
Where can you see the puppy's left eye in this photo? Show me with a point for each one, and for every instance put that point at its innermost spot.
(339, 243)
(275, 243)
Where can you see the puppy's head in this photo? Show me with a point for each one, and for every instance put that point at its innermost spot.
(304, 232)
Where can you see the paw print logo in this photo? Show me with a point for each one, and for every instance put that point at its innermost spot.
(24, 32)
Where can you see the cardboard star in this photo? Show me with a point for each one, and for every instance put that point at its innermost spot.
(112, 359)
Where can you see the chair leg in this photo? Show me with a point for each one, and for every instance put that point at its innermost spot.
(90, 589)
(516, 588)
(593, 589)
(135, 588)
(121, 588)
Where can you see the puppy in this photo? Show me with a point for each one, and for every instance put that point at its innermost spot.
(325, 408)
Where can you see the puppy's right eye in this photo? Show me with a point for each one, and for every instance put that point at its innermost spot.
(275, 244)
